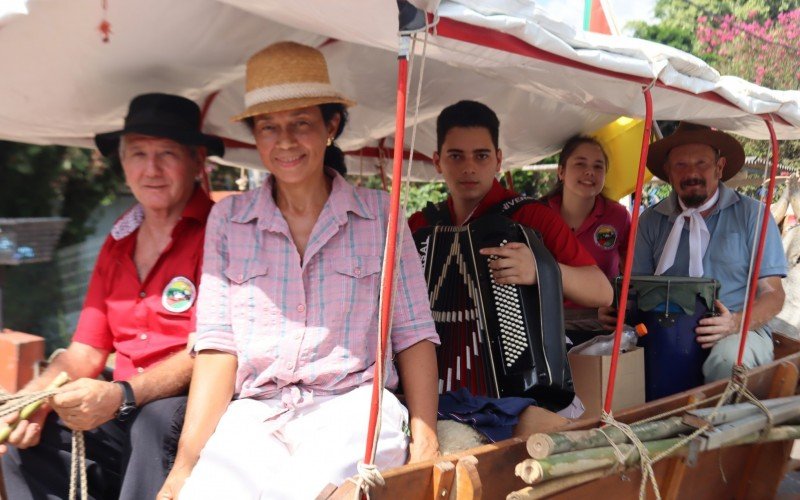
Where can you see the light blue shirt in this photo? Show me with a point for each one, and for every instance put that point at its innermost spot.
(732, 224)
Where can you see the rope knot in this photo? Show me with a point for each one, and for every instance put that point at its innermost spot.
(368, 477)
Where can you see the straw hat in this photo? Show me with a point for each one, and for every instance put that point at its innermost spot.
(287, 75)
(691, 133)
(162, 115)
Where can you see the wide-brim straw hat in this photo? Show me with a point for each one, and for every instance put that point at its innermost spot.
(287, 75)
(162, 115)
(692, 133)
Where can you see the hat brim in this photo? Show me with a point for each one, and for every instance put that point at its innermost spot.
(289, 104)
(728, 147)
(108, 143)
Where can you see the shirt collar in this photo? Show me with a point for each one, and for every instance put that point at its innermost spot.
(344, 198)
(670, 207)
(196, 208)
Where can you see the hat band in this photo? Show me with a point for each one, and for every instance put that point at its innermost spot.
(289, 91)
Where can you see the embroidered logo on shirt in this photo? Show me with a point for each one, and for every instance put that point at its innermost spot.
(178, 295)
(605, 236)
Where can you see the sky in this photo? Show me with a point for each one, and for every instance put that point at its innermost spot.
(571, 11)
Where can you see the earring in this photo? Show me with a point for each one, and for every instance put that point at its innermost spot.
(330, 141)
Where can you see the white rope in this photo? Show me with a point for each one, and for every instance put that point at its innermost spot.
(77, 476)
(368, 477)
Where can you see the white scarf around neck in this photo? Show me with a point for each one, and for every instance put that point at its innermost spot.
(698, 238)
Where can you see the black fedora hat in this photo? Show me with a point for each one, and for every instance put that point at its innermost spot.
(692, 133)
(162, 115)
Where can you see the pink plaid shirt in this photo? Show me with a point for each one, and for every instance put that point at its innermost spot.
(311, 327)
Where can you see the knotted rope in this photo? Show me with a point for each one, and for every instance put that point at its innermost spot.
(27, 404)
(368, 477)
(737, 386)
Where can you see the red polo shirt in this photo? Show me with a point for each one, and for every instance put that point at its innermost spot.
(556, 235)
(145, 321)
(604, 233)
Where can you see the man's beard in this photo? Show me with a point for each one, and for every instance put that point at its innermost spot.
(694, 200)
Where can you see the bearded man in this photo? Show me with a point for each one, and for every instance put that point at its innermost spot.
(705, 229)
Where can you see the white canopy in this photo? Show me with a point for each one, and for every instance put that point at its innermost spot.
(61, 84)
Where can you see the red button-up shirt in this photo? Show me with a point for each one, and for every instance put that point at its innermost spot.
(145, 321)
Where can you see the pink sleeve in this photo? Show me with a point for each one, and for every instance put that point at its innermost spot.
(214, 330)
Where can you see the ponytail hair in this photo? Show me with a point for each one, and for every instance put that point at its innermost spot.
(334, 157)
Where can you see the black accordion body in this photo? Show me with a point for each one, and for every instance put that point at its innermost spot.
(496, 340)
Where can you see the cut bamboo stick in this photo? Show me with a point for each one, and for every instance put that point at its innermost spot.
(544, 490)
(730, 413)
(726, 433)
(534, 471)
(544, 445)
(61, 379)
(555, 467)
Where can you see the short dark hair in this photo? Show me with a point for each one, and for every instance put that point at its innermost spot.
(467, 114)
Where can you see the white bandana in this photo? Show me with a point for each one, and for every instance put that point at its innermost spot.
(698, 238)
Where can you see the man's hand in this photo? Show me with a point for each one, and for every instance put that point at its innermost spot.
(27, 432)
(514, 265)
(87, 403)
(607, 317)
(716, 328)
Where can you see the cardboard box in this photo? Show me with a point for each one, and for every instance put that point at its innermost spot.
(590, 376)
(19, 354)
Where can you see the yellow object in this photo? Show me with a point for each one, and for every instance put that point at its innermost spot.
(622, 141)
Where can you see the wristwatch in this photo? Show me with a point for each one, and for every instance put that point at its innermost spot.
(128, 405)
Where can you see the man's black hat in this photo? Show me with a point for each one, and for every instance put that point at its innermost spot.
(162, 115)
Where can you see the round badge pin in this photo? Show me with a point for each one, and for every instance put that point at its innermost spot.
(178, 295)
(605, 236)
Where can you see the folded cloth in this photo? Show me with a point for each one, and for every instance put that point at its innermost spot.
(495, 418)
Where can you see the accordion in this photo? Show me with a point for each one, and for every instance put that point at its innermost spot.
(496, 340)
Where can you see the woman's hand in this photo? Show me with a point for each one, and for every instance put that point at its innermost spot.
(174, 483)
(422, 449)
(515, 264)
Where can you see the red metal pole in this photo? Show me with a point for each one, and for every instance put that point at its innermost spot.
(387, 287)
(626, 275)
(748, 305)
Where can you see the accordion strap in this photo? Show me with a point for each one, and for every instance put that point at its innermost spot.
(438, 214)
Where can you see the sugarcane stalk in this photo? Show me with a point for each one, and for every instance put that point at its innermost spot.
(544, 445)
(26, 412)
(534, 471)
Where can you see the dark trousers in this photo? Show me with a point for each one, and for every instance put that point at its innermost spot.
(126, 460)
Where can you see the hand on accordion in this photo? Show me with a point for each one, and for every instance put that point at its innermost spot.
(511, 264)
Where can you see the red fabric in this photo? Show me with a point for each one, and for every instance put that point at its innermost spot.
(604, 233)
(598, 22)
(125, 315)
(556, 235)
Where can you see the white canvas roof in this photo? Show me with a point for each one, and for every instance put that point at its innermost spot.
(61, 84)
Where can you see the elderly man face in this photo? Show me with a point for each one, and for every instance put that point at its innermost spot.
(160, 172)
(694, 171)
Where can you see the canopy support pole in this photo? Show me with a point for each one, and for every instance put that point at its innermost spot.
(387, 283)
(748, 305)
(626, 275)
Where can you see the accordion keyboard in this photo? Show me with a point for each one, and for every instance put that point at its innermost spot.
(512, 334)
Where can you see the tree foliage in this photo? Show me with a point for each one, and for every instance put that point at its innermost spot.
(757, 40)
